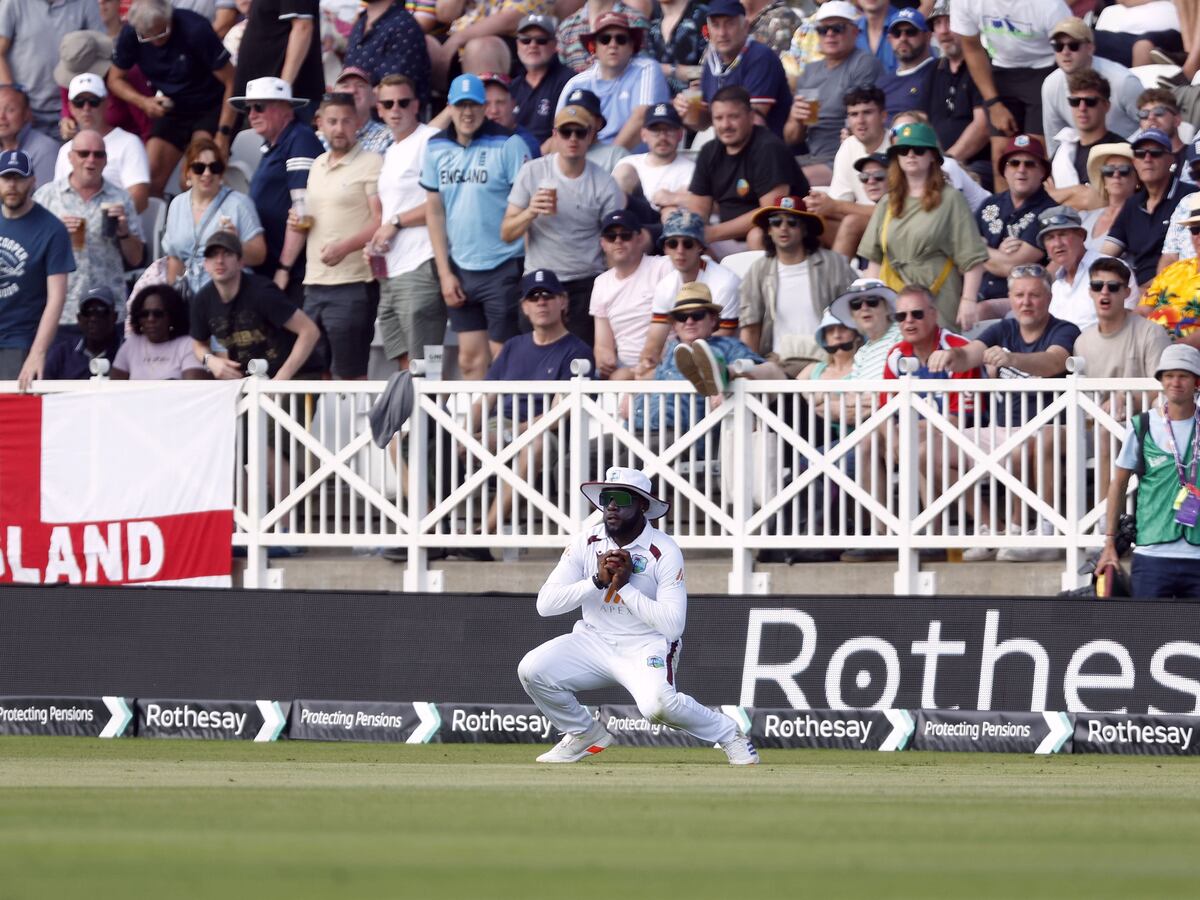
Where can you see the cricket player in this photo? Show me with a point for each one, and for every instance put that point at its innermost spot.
(628, 577)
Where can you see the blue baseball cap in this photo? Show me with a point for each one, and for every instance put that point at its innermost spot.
(684, 223)
(726, 8)
(912, 16)
(620, 218)
(1146, 134)
(466, 87)
(15, 162)
(662, 114)
(540, 280)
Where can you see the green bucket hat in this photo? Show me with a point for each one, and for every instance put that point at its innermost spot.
(914, 134)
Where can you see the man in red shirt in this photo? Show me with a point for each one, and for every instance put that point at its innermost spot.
(921, 335)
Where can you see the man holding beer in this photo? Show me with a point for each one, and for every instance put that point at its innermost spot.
(281, 179)
(106, 233)
(557, 205)
(340, 294)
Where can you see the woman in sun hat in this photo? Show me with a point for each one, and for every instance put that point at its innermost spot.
(922, 232)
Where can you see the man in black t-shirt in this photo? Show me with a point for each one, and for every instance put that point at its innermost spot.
(955, 105)
(270, 28)
(739, 172)
(248, 315)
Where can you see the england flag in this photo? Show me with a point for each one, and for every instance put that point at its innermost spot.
(128, 485)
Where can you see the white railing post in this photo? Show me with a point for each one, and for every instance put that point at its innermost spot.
(909, 578)
(257, 500)
(741, 572)
(416, 572)
(99, 367)
(1076, 474)
(579, 456)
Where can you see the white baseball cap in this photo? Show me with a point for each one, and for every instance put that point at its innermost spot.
(631, 480)
(838, 9)
(267, 89)
(86, 83)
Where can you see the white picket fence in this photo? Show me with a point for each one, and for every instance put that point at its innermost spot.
(793, 464)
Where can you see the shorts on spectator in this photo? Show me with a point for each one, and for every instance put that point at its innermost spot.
(178, 126)
(1021, 91)
(412, 313)
(345, 314)
(792, 367)
(11, 360)
(491, 301)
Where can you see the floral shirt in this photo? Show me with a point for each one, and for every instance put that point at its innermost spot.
(687, 43)
(100, 261)
(1174, 297)
(572, 29)
(805, 48)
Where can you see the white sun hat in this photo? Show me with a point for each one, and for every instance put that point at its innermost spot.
(267, 89)
(625, 479)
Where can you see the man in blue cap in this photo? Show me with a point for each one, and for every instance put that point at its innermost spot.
(733, 58)
(469, 170)
(99, 338)
(660, 175)
(907, 86)
(35, 258)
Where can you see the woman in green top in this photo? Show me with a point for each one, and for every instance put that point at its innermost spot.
(922, 232)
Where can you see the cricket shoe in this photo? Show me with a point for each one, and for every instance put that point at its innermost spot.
(574, 747)
(739, 750)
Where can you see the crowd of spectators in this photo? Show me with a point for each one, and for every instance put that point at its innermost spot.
(984, 185)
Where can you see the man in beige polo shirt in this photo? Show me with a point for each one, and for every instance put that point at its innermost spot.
(342, 213)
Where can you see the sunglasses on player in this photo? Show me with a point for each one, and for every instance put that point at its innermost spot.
(621, 499)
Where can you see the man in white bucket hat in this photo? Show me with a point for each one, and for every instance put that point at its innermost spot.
(627, 576)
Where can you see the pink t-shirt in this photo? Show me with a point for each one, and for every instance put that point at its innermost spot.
(145, 361)
(627, 304)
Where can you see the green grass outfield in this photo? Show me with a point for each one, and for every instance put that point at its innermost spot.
(169, 819)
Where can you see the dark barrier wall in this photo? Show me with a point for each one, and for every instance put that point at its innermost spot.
(884, 652)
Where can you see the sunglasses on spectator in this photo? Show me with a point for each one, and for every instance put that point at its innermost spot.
(84, 154)
(1089, 102)
(199, 168)
(1122, 170)
(570, 132)
(911, 151)
(1194, 229)
(1149, 153)
(620, 235)
(866, 177)
(94, 311)
(685, 243)
(403, 102)
(1060, 46)
(1144, 114)
(147, 39)
(609, 37)
(622, 499)
(917, 314)
(698, 315)
(81, 102)
(1098, 285)
(845, 347)
(782, 219)
(152, 314)
(1032, 270)
(823, 30)
(904, 32)
(541, 42)
(257, 107)
(538, 296)
(858, 302)
(1023, 164)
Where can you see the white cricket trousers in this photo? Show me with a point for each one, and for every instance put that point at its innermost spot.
(584, 661)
